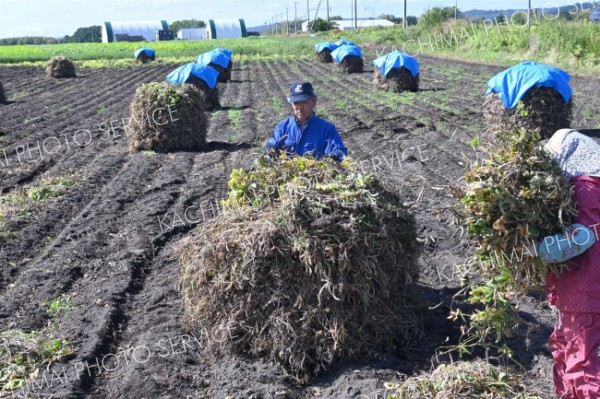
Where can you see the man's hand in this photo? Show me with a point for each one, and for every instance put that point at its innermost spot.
(267, 157)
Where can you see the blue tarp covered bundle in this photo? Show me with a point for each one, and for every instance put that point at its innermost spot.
(219, 56)
(149, 52)
(184, 72)
(344, 42)
(396, 60)
(343, 51)
(512, 84)
(325, 45)
(226, 51)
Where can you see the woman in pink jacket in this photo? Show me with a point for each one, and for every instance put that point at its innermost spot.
(575, 292)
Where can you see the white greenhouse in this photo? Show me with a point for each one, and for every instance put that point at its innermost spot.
(192, 34)
(226, 28)
(132, 30)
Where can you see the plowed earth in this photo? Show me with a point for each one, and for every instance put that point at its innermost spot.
(107, 242)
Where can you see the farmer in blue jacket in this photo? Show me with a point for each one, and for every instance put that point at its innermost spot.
(305, 133)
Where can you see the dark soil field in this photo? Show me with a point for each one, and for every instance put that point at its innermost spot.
(106, 243)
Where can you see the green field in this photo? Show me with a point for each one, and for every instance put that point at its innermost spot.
(255, 48)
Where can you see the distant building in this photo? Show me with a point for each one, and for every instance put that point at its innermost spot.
(348, 24)
(226, 29)
(192, 34)
(165, 34)
(132, 30)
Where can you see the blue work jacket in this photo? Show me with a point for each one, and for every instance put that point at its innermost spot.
(317, 137)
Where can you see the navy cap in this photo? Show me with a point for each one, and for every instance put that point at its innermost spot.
(301, 91)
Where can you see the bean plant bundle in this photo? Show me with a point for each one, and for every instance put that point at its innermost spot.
(512, 200)
(309, 264)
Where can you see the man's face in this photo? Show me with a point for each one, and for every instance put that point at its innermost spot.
(303, 110)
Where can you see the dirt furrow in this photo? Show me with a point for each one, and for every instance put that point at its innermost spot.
(61, 148)
(421, 110)
(98, 268)
(219, 124)
(329, 106)
(269, 98)
(77, 235)
(383, 123)
(102, 99)
(161, 303)
(79, 99)
(22, 77)
(244, 106)
(30, 243)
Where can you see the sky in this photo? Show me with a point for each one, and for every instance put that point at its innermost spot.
(56, 18)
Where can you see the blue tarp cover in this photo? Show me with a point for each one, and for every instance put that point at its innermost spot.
(345, 42)
(149, 52)
(323, 45)
(183, 73)
(343, 51)
(513, 83)
(222, 50)
(219, 56)
(396, 59)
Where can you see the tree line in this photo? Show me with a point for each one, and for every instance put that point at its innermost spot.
(81, 35)
(90, 34)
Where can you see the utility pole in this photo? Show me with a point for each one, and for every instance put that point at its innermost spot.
(355, 15)
(307, 14)
(529, 17)
(287, 21)
(327, 10)
(316, 15)
(295, 17)
(455, 10)
(404, 21)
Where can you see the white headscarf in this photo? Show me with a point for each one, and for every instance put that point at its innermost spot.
(575, 153)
